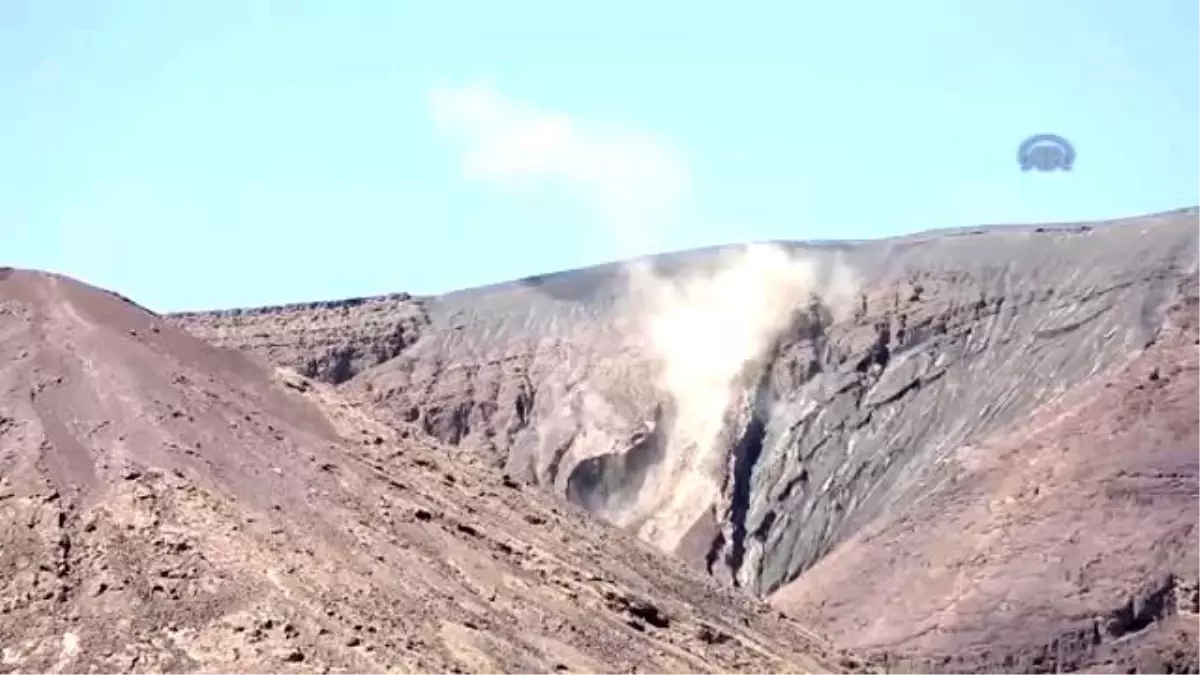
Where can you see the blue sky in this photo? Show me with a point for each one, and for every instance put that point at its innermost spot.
(238, 152)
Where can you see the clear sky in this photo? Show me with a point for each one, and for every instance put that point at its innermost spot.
(240, 152)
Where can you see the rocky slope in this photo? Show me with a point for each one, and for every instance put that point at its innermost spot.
(166, 505)
(1079, 525)
(851, 409)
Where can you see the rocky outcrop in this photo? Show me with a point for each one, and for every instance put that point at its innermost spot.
(328, 341)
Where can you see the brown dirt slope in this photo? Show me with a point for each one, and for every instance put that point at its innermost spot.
(169, 505)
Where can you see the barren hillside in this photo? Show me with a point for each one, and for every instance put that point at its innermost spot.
(167, 505)
(907, 389)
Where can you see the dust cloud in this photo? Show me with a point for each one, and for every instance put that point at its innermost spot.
(705, 330)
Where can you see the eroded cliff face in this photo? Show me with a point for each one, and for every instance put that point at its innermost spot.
(854, 406)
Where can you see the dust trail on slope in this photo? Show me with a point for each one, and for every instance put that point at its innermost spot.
(705, 330)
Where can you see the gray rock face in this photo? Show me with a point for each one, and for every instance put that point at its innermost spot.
(855, 408)
(955, 337)
(1068, 541)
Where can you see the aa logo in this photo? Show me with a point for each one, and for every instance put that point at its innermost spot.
(1046, 152)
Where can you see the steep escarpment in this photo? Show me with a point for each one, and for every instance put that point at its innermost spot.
(856, 407)
(952, 338)
(938, 360)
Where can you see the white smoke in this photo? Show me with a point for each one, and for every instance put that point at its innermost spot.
(703, 330)
(632, 179)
